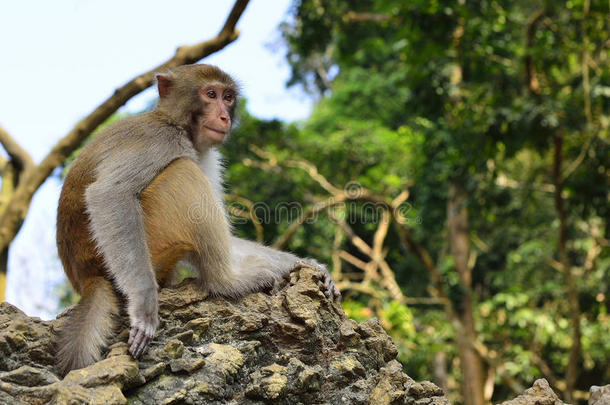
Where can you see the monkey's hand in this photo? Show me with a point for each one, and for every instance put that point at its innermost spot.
(330, 290)
(144, 319)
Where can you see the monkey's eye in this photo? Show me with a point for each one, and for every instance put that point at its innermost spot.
(211, 94)
(229, 97)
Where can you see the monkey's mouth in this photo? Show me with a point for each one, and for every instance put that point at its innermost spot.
(219, 131)
(214, 136)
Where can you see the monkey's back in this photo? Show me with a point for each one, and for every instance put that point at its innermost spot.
(75, 245)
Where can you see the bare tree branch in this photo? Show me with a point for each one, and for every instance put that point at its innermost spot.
(301, 164)
(21, 159)
(353, 260)
(17, 208)
(380, 234)
(336, 259)
(248, 214)
(387, 279)
(503, 181)
(314, 174)
(354, 17)
(360, 287)
(308, 213)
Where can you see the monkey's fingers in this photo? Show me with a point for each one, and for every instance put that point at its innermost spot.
(138, 340)
(331, 289)
(138, 344)
(336, 292)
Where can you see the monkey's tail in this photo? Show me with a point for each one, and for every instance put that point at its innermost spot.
(86, 331)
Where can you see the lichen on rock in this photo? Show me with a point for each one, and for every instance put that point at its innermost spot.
(289, 346)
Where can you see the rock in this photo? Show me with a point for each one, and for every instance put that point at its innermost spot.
(269, 382)
(392, 386)
(290, 346)
(599, 395)
(540, 394)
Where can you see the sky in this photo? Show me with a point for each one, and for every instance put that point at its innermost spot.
(60, 59)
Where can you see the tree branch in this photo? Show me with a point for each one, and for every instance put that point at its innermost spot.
(300, 164)
(20, 158)
(530, 71)
(572, 368)
(354, 17)
(249, 213)
(15, 212)
(586, 88)
(387, 280)
(354, 261)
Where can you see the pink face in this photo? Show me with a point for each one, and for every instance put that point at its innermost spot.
(215, 122)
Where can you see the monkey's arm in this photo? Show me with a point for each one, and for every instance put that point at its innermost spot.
(116, 223)
(280, 263)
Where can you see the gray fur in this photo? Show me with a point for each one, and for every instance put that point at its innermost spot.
(122, 172)
(87, 329)
(254, 266)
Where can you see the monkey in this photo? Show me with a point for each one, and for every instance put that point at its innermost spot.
(144, 194)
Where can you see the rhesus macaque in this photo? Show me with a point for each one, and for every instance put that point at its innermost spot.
(125, 216)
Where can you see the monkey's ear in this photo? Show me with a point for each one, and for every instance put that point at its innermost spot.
(164, 84)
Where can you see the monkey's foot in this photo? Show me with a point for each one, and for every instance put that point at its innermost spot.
(330, 290)
(139, 337)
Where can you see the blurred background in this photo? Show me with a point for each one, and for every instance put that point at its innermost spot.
(449, 160)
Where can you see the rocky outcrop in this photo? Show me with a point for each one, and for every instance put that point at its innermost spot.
(599, 395)
(540, 394)
(289, 346)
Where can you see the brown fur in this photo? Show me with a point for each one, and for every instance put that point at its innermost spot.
(175, 218)
(75, 245)
(177, 222)
(180, 214)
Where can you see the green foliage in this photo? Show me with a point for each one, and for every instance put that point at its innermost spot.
(417, 94)
(66, 295)
(356, 310)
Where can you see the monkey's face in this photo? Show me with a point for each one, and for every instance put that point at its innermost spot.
(200, 99)
(217, 103)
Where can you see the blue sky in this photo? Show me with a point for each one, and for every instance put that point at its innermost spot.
(60, 59)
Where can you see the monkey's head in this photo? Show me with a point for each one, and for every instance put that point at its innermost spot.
(201, 99)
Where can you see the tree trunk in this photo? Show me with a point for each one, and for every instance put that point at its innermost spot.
(10, 179)
(572, 368)
(2, 285)
(473, 381)
(3, 271)
(440, 370)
